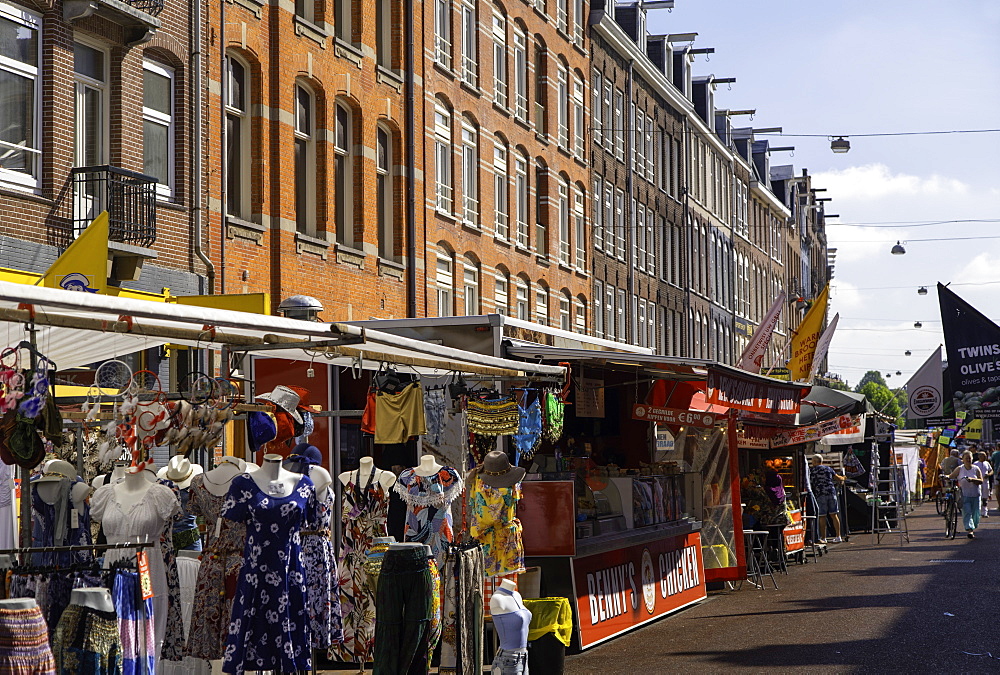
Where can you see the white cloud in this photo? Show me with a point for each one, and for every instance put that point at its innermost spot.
(876, 181)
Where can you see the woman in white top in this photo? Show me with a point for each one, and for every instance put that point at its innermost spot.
(984, 489)
(970, 479)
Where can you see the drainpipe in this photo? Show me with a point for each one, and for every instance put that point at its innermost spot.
(632, 230)
(195, 96)
(685, 227)
(224, 136)
(411, 168)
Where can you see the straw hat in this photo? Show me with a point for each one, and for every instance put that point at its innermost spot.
(56, 470)
(286, 399)
(180, 471)
(497, 471)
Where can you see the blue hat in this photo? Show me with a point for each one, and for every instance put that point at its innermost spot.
(308, 452)
(260, 429)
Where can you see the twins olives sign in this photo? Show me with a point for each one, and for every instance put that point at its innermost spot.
(973, 345)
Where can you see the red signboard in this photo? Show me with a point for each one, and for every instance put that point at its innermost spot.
(795, 533)
(746, 393)
(688, 418)
(619, 590)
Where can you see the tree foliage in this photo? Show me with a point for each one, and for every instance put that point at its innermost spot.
(871, 376)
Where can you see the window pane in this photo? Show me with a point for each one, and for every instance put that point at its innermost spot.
(91, 136)
(301, 189)
(17, 95)
(155, 150)
(18, 42)
(88, 61)
(234, 165)
(303, 111)
(156, 92)
(343, 128)
(237, 85)
(382, 151)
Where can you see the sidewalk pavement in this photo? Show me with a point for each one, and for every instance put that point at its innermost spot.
(927, 606)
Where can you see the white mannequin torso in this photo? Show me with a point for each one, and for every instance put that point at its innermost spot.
(428, 466)
(131, 489)
(18, 603)
(322, 479)
(218, 479)
(117, 473)
(360, 476)
(95, 598)
(501, 603)
(49, 493)
(273, 479)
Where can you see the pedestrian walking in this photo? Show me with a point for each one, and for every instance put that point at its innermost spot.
(970, 479)
(823, 481)
(987, 487)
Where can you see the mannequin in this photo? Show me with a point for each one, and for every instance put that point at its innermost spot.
(322, 479)
(150, 471)
(132, 488)
(383, 478)
(18, 603)
(117, 473)
(273, 479)
(186, 553)
(428, 466)
(48, 485)
(218, 479)
(94, 598)
(410, 546)
(511, 619)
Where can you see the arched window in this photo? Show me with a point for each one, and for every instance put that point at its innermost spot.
(445, 283)
(501, 293)
(386, 196)
(470, 287)
(521, 196)
(565, 311)
(344, 172)
(501, 181)
(442, 158)
(579, 227)
(470, 173)
(542, 304)
(580, 318)
(305, 160)
(523, 299)
(238, 143)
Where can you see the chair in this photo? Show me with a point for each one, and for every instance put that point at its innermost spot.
(758, 564)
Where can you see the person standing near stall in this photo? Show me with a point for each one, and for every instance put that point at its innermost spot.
(823, 480)
(984, 490)
(970, 478)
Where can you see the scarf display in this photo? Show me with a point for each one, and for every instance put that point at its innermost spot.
(493, 417)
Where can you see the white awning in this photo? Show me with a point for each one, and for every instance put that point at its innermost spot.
(70, 346)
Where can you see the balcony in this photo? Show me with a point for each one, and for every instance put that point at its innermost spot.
(138, 17)
(127, 196)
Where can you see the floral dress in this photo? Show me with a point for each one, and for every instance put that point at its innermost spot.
(492, 522)
(364, 513)
(427, 498)
(270, 625)
(220, 565)
(320, 563)
(173, 643)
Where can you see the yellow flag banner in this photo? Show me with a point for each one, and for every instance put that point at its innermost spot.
(84, 265)
(805, 338)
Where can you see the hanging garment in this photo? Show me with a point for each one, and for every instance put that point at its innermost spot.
(404, 610)
(368, 417)
(320, 563)
(427, 498)
(554, 411)
(6, 506)
(529, 431)
(217, 575)
(399, 416)
(493, 523)
(87, 641)
(435, 406)
(462, 610)
(173, 638)
(151, 517)
(185, 531)
(24, 643)
(270, 625)
(187, 574)
(492, 417)
(363, 517)
(135, 624)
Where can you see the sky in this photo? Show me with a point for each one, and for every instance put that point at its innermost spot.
(883, 66)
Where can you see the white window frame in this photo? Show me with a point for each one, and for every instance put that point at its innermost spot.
(579, 228)
(579, 22)
(620, 223)
(639, 245)
(470, 37)
(610, 327)
(565, 315)
(619, 125)
(343, 151)
(304, 133)
(620, 315)
(609, 217)
(444, 281)
(650, 242)
(608, 117)
(579, 135)
(542, 305)
(580, 316)
(384, 184)
(597, 213)
(641, 334)
(639, 154)
(81, 84)
(383, 32)
(501, 293)
(562, 207)
(501, 190)
(521, 200)
(500, 74)
(30, 179)
(470, 288)
(562, 105)
(562, 16)
(522, 299)
(470, 174)
(444, 187)
(520, 74)
(242, 117)
(164, 191)
(597, 111)
(442, 33)
(598, 305)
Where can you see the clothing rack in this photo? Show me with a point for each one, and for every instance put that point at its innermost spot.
(75, 547)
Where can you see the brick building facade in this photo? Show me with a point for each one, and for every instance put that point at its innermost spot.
(507, 181)
(306, 127)
(96, 116)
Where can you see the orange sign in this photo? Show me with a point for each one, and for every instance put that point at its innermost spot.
(795, 532)
(689, 418)
(619, 590)
(145, 581)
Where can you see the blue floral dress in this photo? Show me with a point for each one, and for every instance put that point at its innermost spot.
(270, 623)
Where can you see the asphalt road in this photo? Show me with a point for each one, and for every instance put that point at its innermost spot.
(927, 606)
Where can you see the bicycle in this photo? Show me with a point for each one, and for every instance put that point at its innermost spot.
(939, 501)
(952, 509)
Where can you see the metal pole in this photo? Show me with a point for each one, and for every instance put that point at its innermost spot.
(24, 474)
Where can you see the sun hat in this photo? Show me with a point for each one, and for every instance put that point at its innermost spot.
(497, 471)
(286, 399)
(55, 470)
(180, 471)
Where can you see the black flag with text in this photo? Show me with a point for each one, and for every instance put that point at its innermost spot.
(972, 342)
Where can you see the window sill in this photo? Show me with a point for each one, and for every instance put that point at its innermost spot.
(564, 151)
(502, 241)
(18, 191)
(566, 267)
(471, 88)
(169, 203)
(252, 5)
(451, 217)
(390, 268)
(582, 50)
(543, 260)
(544, 17)
(237, 228)
(523, 122)
(308, 29)
(520, 248)
(346, 50)
(502, 109)
(349, 255)
(445, 70)
(305, 243)
(581, 161)
(389, 77)
(471, 227)
(541, 137)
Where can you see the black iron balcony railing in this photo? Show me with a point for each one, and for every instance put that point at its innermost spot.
(127, 196)
(151, 7)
